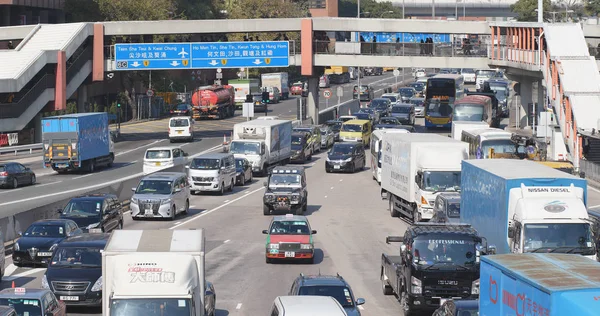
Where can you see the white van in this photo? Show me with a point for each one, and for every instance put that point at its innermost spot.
(159, 158)
(212, 173)
(267, 118)
(181, 128)
(307, 305)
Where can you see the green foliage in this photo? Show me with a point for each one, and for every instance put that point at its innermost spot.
(525, 10)
(592, 7)
(265, 9)
(376, 10)
(120, 10)
(82, 11)
(71, 107)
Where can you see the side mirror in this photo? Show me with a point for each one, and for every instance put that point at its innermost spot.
(185, 154)
(187, 167)
(133, 189)
(265, 183)
(59, 211)
(402, 248)
(491, 250)
(360, 301)
(313, 232)
(20, 234)
(266, 232)
(177, 190)
(222, 168)
(511, 232)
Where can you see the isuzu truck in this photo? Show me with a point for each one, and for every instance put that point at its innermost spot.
(415, 168)
(539, 284)
(459, 126)
(524, 206)
(154, 272)
(265, 143)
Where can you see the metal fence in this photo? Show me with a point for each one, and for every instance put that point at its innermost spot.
(151, 107)
(401, 49)
(590, 169)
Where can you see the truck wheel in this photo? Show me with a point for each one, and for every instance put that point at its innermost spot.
(385, 287)
(110, 161)
(222, 189)
(405, 304)
(266, 210)
(393, 211)
(91, 166)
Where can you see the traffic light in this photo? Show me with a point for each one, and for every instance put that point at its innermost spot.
(265, 97)
(118, 105)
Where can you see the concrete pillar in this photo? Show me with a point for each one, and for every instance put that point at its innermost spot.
(60, 90)
(82, 97)
(37, 123)
(313, 99)
(526, 98)
(98, 57)
(541, 97)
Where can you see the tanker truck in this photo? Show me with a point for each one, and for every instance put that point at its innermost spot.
(217, 102)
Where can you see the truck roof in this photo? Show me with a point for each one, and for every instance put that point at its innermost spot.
(300, 305)
(437, 228)
(422, 138)
(518, 169)
(76, 115)
(262, 122)
(549, 271)
(489, 132)
(161, 240)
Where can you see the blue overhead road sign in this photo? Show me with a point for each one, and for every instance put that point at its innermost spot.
(156, 56)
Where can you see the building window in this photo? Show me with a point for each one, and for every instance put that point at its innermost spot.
(317, 4)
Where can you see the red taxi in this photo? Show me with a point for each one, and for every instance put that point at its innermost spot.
(289, 237)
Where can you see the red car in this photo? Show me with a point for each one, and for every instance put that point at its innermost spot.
(289, 237)
(296, 88)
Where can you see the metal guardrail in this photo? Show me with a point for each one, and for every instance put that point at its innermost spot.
(20, 149)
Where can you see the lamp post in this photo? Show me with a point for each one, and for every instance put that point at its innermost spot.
(360, 47)
(403, 9)
(567, 11)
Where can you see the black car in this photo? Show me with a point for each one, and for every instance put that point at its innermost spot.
(75, 273)
(366, 93)
(259, 104)
(336, 126)
(37, 244)
(328, 285)
(182, 109)
(95, 213)
(373, 71)
(407, 93)
(14, 174)
(301, 148)
(364, 116)
(458, 308)
(243, 170)
(409, 128)
(405, 113)
(418, 86)
(347, 156)
(381, 106)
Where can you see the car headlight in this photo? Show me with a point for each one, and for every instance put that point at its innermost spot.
(53, 247)
(269, 197)
(306, 246)
(45, 284)
(16, 246)
(273, 246)
(475, 287)
(327, 159)
(415, 285)
(165, 201)
(348, 160)
(98, 285)
(295, 197)
(134, 200)
(94, 225)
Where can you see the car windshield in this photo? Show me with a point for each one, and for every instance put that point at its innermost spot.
(380, 102)
(500, 146)
(297, 85)
(179, 123)
(183, 107)
(362, 88)
(406, 92)
(324, 132)
(417, 102)
(45, 231)
(257, 97)
(485, 73)
(77, 256)
(439, 109)
(341, 150)
(340, 293)
(559, 237)
(23, 307)
(154, 187)
(289, 228)
(467, 71)
(392, 99)
(400, 109)
(351, 128)
(158, 154)
(301, 129)
(440, 181)
(453, 210)
(367, 110)
(432, 249)
(500, 91)
(205, 164)
(246, 148)
(463, 311)
(151, 307)
(239, 163)
(278, 179)
(418, 86)
(83, 208)
(362, 116)
(468, 112)
(388, 120)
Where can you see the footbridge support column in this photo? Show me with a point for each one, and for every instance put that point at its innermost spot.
(313, 99)
(524, 91)
(306, 49)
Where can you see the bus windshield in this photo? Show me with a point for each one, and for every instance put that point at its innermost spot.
(441, 88)
(438, 109)
(500, 146)
(468, 112)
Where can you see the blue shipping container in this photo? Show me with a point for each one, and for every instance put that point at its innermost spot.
(90, 130)
(539, 285)
(485, 189)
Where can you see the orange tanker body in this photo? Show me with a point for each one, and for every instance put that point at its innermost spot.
(214, 102)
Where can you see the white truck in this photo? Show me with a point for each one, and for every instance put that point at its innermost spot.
(154, 272)
(265, 143)
(415, 168)
(243, 87)
(279, 80)
(460, 126)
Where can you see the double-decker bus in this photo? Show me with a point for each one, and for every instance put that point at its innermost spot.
(441, 92)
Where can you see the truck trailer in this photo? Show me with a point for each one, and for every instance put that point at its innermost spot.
(154, 272)
(278, 80)
(415, 168)
(244, 87)
(524, 206)
(78, 141)
(216, 102)
(265, 143)
(539, 284)
(459, 126)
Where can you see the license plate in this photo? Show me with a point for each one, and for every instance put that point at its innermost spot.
(290, 254)
(440, 126)
(157, 163)
(44, 254)
(69, 298)
(336, 167)
(60, 148)
(148, 212)
(95, 230)
(179, 132)
(442, 301)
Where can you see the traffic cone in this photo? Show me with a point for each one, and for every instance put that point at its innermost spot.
(224, 139)
(13, 284)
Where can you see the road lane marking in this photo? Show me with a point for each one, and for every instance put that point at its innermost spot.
(225, 201)
(239, 305)
(361, 308)
(10, 270)
(331, 188)
(341, 180)
(11, 191)
(191, 206)
(325, 196)
(215, 209)
(49, 183)
(139, 147)
(99, 185)
(83, 176)
(593, 189)
(177, 222)
(226, 241)
(595, 206)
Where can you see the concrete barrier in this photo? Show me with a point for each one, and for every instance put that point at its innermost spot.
(344, 108)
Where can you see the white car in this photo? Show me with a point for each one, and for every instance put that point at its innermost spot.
(181, 128)
(160, 158)
(468, 75)
(420, 73)
(212, 173)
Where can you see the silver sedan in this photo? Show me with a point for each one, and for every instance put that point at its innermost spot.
(327, 137)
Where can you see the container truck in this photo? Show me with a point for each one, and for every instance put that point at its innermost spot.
(279, 80)
(415, 168)
(460, 126)
(524, 206)
(338, 74)
(77, 142)
(539, 284)
(244, 87)
(265, 143)
(147, 271)
(213, 102)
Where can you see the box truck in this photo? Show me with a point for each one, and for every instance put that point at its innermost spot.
(77, 141)
(415, 168)
(243, 87)
(524, 206)
(279, 80)
(539, 284)
(460, 126)
(146, 271)
(265, 143)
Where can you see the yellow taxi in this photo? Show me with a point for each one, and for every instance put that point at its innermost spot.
(356, 131)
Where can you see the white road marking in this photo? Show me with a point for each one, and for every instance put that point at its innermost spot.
(226, 201)
(10, 270)
(215, 209)
(361, 308)
(11, 191)
(23, 274)
(341, 180)
(138, 148)
(127, 212)
(86, 175)
(135, 161)
(191, 206)
(325, 196)
(593, 189)
(595, 206)
(331, 188)
(49, 183)
(98, 185)
(239, 305)
(226, 241)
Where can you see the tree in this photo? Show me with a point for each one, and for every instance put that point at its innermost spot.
(525, 10)
(125, 10)
(82, 11)
(592, 7)
(265, 9)
(376, 10)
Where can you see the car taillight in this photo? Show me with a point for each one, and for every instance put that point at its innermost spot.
(4, 173)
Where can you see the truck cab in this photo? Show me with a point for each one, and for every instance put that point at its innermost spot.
(437, 262)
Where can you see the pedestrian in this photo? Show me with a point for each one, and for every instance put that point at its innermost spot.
(422, 48)
(327, 42)
(10, 45)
